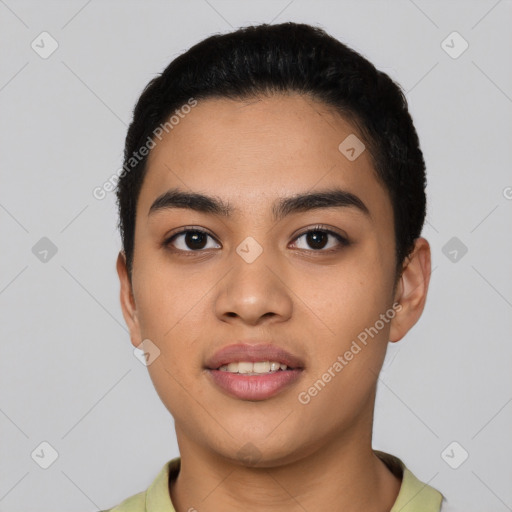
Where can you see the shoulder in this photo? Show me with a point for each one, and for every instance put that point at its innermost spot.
(135, 503)
(156, 498)
(414, 495)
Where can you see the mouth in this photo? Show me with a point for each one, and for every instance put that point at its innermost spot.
(256, 368)
(253, 372)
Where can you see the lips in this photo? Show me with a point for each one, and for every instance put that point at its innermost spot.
(250, 386)
(253, 353)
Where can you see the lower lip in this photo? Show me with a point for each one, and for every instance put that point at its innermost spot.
(254, 387)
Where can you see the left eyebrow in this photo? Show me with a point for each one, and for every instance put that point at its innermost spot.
(336, 198)
(283, 207)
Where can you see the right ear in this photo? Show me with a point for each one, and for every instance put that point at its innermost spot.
(128, 305)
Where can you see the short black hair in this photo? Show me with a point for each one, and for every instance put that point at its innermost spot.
(268, 59)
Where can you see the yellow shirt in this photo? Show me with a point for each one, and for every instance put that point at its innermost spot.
(414, 496)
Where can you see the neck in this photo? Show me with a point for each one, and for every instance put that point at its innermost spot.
(344, 474)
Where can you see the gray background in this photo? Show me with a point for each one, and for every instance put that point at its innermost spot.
(68, 373)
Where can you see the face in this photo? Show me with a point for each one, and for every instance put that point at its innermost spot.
(288, 259)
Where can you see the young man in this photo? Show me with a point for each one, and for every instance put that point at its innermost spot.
(271, 206)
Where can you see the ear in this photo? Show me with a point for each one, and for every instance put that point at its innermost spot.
(411, 292)
(128, 305)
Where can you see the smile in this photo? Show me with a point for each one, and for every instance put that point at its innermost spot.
(249, 371)
(257, 368)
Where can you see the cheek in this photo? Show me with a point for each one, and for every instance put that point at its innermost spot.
(169, 301)
(348, 350)
(344, 300)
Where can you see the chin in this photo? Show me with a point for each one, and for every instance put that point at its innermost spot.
(258, 452)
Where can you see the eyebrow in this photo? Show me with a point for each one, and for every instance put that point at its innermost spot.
(331, 198)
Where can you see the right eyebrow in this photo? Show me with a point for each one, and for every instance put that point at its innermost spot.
(174, 198)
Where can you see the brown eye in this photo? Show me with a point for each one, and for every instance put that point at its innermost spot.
(195, 240)
(192, 240)
(317, 239)
(320, 239)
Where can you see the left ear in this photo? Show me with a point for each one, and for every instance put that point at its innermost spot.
(411, 292)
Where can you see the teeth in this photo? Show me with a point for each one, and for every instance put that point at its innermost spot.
(257, 368)
(245, 367)
(232, 367)
(263, 367)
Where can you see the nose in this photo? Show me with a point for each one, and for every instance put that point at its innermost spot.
(254, 292)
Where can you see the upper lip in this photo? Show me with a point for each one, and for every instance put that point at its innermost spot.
(252, 353)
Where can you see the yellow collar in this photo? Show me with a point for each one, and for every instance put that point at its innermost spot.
(414, 496)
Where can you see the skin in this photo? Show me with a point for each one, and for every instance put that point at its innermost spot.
(311, 302)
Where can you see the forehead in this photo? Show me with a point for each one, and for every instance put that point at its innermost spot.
(251, 151)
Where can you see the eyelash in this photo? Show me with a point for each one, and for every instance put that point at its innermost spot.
(316, 229)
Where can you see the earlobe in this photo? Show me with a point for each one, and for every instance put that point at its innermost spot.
(128, 305)
(411, 292)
